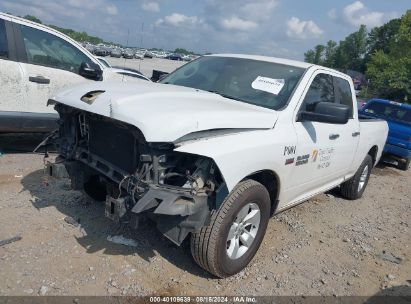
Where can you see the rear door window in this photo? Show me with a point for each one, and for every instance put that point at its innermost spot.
(4, 50)
(46, 49)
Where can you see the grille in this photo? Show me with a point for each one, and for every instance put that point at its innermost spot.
(113, 143)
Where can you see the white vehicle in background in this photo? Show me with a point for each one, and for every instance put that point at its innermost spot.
(36, 61)
(130, 73)
(123, 71)
(186, 57)
(216, 147)
(139, 55)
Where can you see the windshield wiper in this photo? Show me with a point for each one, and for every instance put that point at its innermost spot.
(227, 96)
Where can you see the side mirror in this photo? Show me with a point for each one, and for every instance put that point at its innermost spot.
(91, 70)
(327, 112)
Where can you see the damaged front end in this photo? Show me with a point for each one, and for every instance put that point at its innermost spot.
(112, 162)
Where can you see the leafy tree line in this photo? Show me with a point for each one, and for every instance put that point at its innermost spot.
(84, 37)
(383, 54)
(78, 36)
(183, 51)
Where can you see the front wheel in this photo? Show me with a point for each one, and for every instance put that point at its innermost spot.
(354, 188)
(236, 230)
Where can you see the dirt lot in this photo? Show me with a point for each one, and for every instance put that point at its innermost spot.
(327, 246)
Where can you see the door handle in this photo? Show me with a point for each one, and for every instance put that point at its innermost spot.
(333, 136)
(39, 79)
(355, 134)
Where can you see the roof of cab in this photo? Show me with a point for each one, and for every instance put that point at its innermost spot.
(299, 64)
(290, 62)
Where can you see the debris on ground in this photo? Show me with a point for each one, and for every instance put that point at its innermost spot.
(121, 240)
(10, 240)
(43, 290)
(389, 257)
(71, 221)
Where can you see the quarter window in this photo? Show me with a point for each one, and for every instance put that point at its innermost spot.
(4, 51)
(45, 49)
(321, 90)
(343, 94)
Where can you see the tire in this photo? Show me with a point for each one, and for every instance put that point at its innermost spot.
(404, 165)
(209, 245)
(351, 188)
(94, 190)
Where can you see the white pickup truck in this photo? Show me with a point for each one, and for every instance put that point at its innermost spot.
(35, 62)
(216, 148)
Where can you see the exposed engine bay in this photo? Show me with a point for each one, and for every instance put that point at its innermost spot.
(111, 161)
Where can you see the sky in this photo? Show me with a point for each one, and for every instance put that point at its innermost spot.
(280, 28)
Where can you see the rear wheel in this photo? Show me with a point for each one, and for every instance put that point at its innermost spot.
(405, 164)
(236, 230)
(355, 186)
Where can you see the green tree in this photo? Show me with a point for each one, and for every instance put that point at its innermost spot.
(319, 54)
(309, 56)
(330, 53)
(182, 51)
(390, 71)
(380, 38)
(32, 18)
(351, 52)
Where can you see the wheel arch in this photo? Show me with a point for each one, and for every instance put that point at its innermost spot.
(271, 181)
(373, 152)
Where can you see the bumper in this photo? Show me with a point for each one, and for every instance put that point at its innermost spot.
(25, 122)
(176, 211)
(397, 151)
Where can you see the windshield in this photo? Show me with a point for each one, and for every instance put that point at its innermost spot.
(389, 111)
(261, 83)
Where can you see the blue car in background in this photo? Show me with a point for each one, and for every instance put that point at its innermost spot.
(398, 117)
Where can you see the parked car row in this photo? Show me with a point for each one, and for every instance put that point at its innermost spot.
(102, 50)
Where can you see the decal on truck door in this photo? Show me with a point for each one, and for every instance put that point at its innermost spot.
(289, 150)
(289, 161)
(314, 155)
(302, 160)
(324, 157)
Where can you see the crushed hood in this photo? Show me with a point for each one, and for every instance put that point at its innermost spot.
(164, 113)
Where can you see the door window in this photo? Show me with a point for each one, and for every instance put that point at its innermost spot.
(46, 49)
(343, 94)
(4, 51)
(321, 90)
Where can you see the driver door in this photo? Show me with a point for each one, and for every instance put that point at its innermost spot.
(50, 63)
(325, 150)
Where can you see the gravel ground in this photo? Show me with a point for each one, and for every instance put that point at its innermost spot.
(326, 246)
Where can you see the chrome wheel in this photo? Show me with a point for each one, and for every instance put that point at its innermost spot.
(243, 231)
(363, 178)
